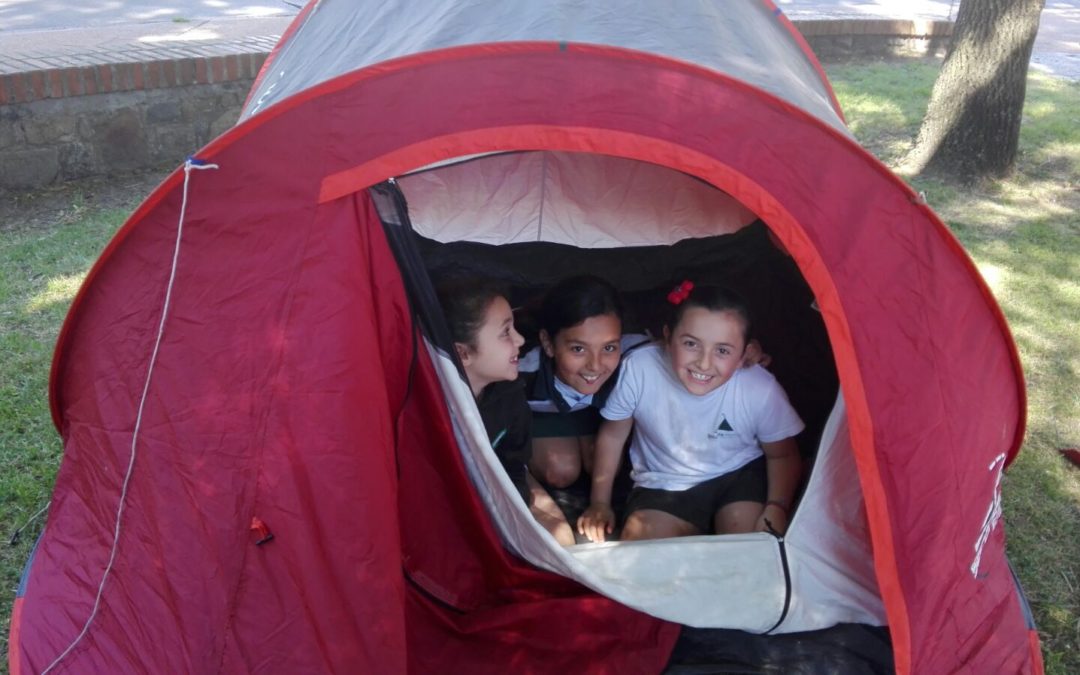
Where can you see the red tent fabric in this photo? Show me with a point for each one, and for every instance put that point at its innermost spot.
(282, 390)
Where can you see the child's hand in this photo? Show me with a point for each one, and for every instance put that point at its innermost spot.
(597, 522)
(777, 518)
(755, 356)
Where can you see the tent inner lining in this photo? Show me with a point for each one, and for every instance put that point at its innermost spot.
(828, 588)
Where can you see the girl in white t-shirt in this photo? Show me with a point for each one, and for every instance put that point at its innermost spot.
(713, 445)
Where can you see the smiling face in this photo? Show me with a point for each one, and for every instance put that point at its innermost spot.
(706, 348)
(587, 354)
(493, 356)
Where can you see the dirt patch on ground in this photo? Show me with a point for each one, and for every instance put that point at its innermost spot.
(67, 201)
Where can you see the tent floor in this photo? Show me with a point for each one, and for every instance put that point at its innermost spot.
(852, 649)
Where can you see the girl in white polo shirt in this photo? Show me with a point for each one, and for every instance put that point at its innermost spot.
(713, 445)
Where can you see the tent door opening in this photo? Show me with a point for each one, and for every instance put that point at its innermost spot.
(665, 578)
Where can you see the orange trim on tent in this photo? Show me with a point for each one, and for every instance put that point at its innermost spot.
(1038, 668)
(790, 233)
(13, 638)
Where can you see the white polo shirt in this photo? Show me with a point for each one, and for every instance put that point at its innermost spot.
(681, 439)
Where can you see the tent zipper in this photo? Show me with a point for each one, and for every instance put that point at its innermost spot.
(787, 577)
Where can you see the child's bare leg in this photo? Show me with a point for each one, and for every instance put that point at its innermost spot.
(653, 524)
(548, 513)
(556, 461)
(737, 517)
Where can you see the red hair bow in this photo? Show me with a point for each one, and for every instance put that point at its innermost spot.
(681, 293)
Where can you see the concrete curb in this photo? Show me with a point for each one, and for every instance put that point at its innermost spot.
(838, 39)
(103, 111)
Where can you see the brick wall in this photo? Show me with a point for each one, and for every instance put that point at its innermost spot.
(157, 73)
(75, 121)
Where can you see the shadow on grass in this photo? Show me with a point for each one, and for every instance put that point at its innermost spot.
(885, 103)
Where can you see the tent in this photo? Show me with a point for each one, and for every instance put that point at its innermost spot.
(272, 463)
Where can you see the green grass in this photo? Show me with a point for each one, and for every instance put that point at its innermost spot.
(41, 268)
(1024, 233)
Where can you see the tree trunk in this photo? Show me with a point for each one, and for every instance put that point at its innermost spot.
(972, 124)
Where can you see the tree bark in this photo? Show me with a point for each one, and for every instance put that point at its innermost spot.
(972, 124)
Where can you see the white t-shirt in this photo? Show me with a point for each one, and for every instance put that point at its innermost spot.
(681, 439)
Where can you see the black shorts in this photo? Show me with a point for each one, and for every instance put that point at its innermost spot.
(700, 503)
(584, 422)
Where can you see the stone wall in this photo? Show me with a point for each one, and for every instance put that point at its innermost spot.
(68, 123)
(64, 123)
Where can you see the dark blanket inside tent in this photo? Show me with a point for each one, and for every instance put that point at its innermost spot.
(785, 317)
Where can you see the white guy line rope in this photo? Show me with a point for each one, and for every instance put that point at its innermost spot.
(190, 164)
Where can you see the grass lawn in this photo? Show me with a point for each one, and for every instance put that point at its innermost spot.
(1024, 234)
